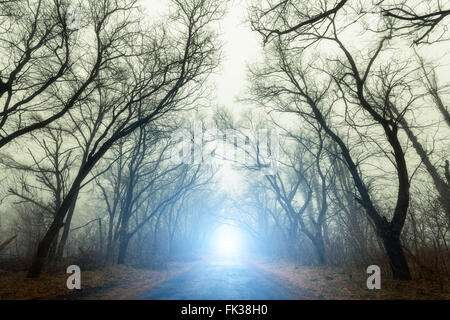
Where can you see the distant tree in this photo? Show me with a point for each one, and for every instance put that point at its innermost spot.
(44, 181)
(442, 185)
(300, 182)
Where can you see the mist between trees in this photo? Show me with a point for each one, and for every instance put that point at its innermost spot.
(259, 148)
(87, 117)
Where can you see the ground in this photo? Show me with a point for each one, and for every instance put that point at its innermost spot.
(120, 282)
(220, 280)
(341, 284)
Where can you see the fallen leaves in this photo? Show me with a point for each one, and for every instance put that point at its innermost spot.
(119, 282)
(332, 283)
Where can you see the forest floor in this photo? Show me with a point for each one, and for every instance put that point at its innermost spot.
(250, 279)
(222, 279)
(333, 283)
(119, 282)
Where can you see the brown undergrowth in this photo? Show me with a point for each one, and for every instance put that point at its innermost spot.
(334, 283)
(118, 282)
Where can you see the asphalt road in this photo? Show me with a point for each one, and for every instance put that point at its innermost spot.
(221, 281)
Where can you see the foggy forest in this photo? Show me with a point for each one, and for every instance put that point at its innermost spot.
(291, 144)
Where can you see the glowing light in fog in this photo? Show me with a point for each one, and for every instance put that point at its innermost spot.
(227, 241)
(227, 246)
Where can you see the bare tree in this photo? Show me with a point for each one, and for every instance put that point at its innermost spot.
(303, 91)
(295, 17)
(364, 93)
(442, 186)
(434, 89)
(49, 168)
(49, 68)
(302, 196)
(159, 80)
(112, 186)
(411, 17)
(285, 17)
(151, 185)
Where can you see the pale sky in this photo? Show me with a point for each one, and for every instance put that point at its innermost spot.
(240, 47)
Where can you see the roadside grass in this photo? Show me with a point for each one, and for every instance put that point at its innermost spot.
(114, 283)
(333, 283)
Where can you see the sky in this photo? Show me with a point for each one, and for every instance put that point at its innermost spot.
(240, 46)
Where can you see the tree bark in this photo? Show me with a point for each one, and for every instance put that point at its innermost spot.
(43, 249)
(109, 245)
(123, 246)
(441, 186)
(320, 249)
(44, 246)
(396, 255)
(52, 252)
(65, 234)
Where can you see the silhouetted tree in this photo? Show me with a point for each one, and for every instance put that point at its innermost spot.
(163, 71)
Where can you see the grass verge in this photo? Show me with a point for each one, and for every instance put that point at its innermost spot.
(114, 283)
(333, 283)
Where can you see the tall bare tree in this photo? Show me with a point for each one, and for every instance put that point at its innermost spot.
(301, 90)
(161, 72)
(50, 65)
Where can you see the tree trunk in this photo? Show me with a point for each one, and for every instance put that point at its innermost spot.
(320, 249)
(441, 186)
(123, 246)
(391, 240)
(52, 252)
(44, 246)
(65, 234)
(396, 255)
(100, 236)
(43, 249)
(109, 245)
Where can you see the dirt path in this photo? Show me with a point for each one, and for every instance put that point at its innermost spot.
(221, 281)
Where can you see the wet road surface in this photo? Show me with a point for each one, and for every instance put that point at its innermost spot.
(221, 281)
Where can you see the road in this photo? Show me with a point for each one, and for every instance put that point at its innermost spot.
(221, 280)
